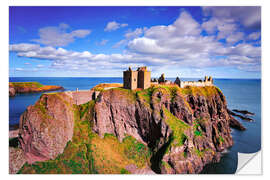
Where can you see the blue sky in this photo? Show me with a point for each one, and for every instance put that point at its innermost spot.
(224, 42)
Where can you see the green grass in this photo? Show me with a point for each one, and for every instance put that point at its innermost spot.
(84, 108)
(220, 139)
(136, 151)
(26, 84)
(196, 126)
(177, 126)
(124, 171)
(199, 153)
(207, 91)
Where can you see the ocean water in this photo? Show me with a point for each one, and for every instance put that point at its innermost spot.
(242, 94)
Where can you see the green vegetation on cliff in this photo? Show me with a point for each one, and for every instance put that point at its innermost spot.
(30, 87)
(26, 84)
(177, 126)
(88, 153)
(206, 91)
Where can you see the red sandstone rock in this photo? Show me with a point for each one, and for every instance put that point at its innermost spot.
(119, 115)
(12, 91)
(16, 159)
(46, 127)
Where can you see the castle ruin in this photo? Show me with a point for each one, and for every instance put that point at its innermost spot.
(206, 82)
(141, 78)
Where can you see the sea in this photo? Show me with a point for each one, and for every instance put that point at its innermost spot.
(241, 94)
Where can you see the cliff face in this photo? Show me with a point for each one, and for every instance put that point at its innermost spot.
(167, 129)
(46, 127)
(185, 129)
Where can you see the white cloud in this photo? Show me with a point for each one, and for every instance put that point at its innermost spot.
(129, 35)
(40, 66)
(120, 43)
(179, 44)
(19, 69)
(133, 34)
(103, 42)
(124, 25)
(235, 37)
(58, 36)
(224, 28)
(185, 25)
(24, 47)
(113, 25)
(248, 16)
(254, 36)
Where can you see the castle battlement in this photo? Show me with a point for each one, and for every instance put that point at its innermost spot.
(141, 78)
(206, 82)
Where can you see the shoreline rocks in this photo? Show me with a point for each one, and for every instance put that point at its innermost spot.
(245, 112)
(240, 116)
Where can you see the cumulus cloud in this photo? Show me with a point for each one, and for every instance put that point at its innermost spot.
(179, 44)
(120, 43)
(40, 66)
(24, 47)
(59, 36)
(248, 16)
(254, 36)
(129, 35)
(185, 25)
(113, 25)
(103, 42)
(226, 22)
(133, 34)
(235, 37)
(19, 69)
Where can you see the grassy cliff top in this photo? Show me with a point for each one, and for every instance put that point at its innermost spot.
(26, 84)
(24, 87)
(104, 86)
(171, 89)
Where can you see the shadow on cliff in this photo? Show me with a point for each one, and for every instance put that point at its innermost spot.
(157, 157)
(14, 142)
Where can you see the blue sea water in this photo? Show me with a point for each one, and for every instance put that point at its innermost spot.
(242, 94)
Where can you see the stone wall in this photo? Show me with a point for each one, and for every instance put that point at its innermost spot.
(144, 79)
(195, 83)
(82, 96)
(137, 79)
(130, 79)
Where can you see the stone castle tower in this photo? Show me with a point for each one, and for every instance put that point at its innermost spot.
(141, 78)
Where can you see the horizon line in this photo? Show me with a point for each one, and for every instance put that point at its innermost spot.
(114, 77)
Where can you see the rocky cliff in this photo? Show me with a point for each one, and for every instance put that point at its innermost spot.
(163, 129)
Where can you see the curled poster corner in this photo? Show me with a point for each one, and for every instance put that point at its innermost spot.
(249, 163)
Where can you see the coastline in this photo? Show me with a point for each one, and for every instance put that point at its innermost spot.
(236, 131)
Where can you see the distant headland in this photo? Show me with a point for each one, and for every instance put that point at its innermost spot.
(30, 87)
